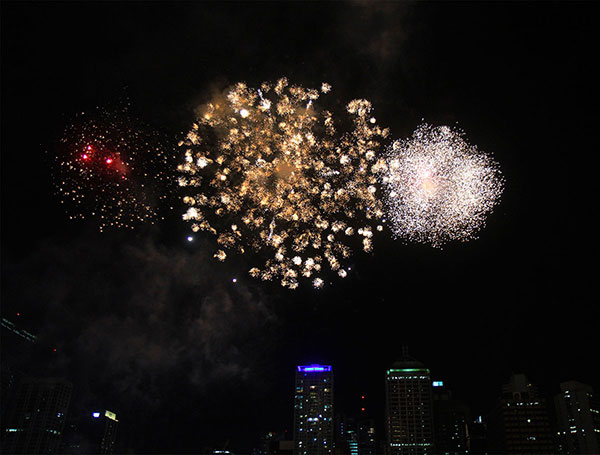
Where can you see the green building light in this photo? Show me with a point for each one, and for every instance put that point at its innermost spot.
(408, 370)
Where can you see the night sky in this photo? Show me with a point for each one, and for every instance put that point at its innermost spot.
(148, 325)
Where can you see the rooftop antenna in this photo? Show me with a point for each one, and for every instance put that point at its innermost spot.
(405, 352)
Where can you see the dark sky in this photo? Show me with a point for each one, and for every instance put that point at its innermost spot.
(150, 327)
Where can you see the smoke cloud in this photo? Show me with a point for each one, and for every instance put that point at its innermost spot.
(135, 324)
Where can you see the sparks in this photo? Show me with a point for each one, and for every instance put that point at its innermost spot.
(122, 179)
(298, 190)
(438, 188)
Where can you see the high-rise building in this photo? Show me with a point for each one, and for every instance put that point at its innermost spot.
(477, 436)
(409, 421)
(450, 418)
(274, 443)
(18, 345)
(38, 415)
(107, 442)
(346, 435)
(313, 410)
(17, 330)
(578, 418)
(10, 379)
(92, 433)
(367, 437)
(520, 422)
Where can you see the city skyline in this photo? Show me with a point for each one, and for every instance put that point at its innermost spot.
(189, 351)
(529, 418)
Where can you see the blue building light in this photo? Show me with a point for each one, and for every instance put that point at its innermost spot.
(438, 383)
(314, 368)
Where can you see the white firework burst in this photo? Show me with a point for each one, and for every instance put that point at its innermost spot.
(439, 188)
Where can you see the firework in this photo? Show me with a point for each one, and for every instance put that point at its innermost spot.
(112, 168)
(437, 187)
(267, 171)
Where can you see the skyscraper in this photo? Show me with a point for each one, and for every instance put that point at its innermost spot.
(367, 438)
(17, 344)
(108, 429)
(477, 436)
(313, 410)
(274, 443)
(450, 418)
(38, 416)
(346, 435)
(520, 421)
(91, 433)
(578, 418)
(409, 422)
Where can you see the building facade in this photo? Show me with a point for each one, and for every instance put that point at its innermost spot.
(450, 418)
(38, 416)
(477, 436)
(520, 422)
(578, 418)
(409, 419)
(313, 410)
(367, 437)
(17, 344)
(276, 443)
(92, 433)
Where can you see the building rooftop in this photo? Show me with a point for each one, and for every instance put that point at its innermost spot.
(314, 368)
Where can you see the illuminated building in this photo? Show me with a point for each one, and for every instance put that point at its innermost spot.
(17, 344)
(92, 433)
(313, 410)
(346, 435)
(24, 334)
(578, 418)
(352, 441)
(10, 378)
(450, 418)
(409, 422)
(38, 415)
(107, 443)
(367, 440)
(520, 422)
(477, 436)
(277, 444)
